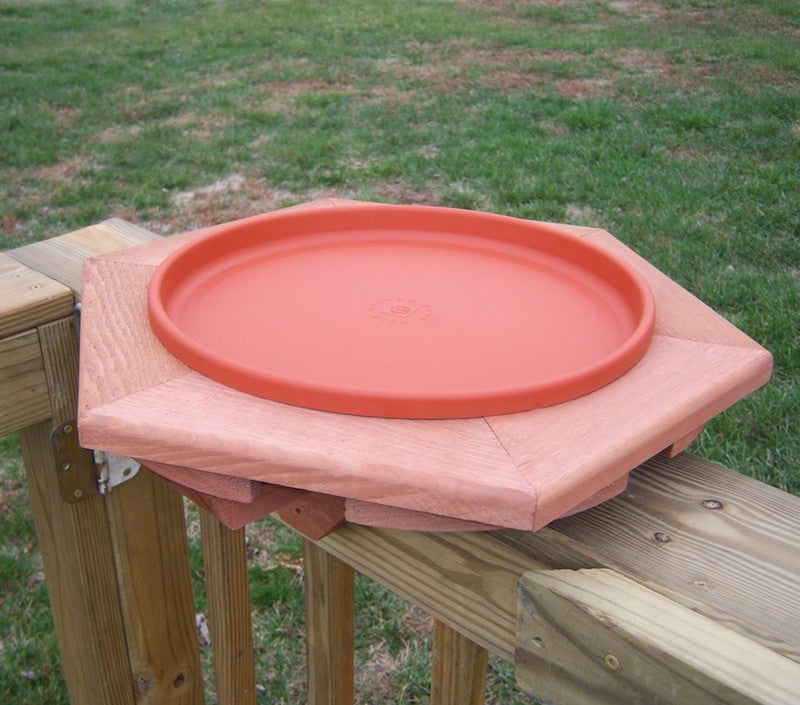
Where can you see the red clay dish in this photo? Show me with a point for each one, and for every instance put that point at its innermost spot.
(402, 311)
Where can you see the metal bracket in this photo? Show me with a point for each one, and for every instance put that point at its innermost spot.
(77, 320)
(82, 473)
(114, 470)
(77, 475)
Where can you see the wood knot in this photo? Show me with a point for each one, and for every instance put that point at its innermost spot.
(143, 683)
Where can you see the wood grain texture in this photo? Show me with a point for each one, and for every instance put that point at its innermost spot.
(460, 456)
(61, 258)
(81, 583)
(24, 397)
(595, 637)
(679, 314)
(59, 349)
(585, 444)
(132, 359)
(58, 343)
(149, 536)
(236, 502)
(29, 298)
(358, 511)
(76, 548)
(228, 595)
(134, 634)
(318, 451)
(235, 514)
(466, 580)
(313, 514)
(518, 470)
(458, 668)
(330, 640)
(237, 489)
(469, 580)
(737, 565)
(729, 548)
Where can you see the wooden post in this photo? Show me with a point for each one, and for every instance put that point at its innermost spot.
(459, 668)
(228, 594)
(117, 567)
(149, 536)
(76, 546)
(330, 640)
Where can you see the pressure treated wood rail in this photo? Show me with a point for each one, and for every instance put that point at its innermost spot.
(684, 589)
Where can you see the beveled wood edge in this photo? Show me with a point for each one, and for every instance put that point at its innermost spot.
(516, 506)
(95, 431)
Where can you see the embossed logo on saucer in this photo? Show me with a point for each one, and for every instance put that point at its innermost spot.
(400, 311)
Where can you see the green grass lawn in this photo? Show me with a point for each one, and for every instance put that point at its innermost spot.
(674, 124)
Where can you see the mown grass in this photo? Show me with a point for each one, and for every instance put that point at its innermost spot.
(675, 124)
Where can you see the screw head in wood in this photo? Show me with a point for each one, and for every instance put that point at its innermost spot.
(611, 662)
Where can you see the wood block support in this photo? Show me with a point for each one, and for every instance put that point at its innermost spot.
(228, 594)
(459, 668)
(329, 627)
